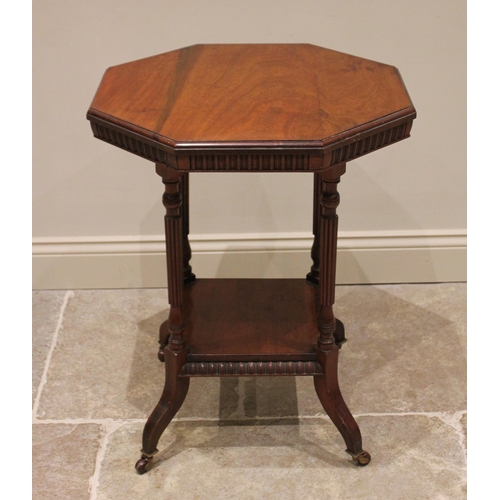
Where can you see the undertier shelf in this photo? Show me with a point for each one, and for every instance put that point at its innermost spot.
(265, 321)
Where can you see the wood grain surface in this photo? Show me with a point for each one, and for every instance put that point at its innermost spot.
(207, 94)
(251, 319)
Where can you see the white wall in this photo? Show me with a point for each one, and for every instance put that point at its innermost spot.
(97, 213)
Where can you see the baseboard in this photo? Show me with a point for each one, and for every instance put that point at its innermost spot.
(136, 262)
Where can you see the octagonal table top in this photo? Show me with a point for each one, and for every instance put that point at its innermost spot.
(255, 98)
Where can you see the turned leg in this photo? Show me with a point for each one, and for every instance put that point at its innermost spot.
(326, 209)
(188, 275)
(331, 330)
(177, 250)
(172, 330)
(313, 275)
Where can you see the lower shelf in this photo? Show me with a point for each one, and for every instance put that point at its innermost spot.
(251, 320)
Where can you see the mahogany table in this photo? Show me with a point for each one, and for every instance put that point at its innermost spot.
(251, 108)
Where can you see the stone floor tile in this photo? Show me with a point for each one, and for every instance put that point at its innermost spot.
(231, 398)
(405, 353)
(104, 364)
(258, 397)
(307, 399)
(448, 300)
(463, 423)
(202, 400)
(64, 457)
(46, 307)
(414, 457)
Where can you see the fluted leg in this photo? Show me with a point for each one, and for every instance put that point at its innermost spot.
(188, 275)
(328, 225)
(313, 275)
(171, 331)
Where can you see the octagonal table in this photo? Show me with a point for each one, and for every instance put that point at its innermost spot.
(251, 108)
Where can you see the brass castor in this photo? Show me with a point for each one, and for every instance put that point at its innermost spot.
(362, 458)
(143, 464)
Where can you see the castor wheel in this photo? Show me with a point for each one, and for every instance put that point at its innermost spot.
(143, 464)
(362, 458)
(161, 355)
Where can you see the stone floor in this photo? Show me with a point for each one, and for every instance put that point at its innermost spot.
(403, 375)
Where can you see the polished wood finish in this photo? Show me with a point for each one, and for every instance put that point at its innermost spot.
(328, 391)
(172, 201)
(251, 320)
(188, 274)
(269, 107)
(251, 108)
(269, 92)
(174, 393)
(313, 275)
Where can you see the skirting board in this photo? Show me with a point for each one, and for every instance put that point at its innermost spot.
(139, 262)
